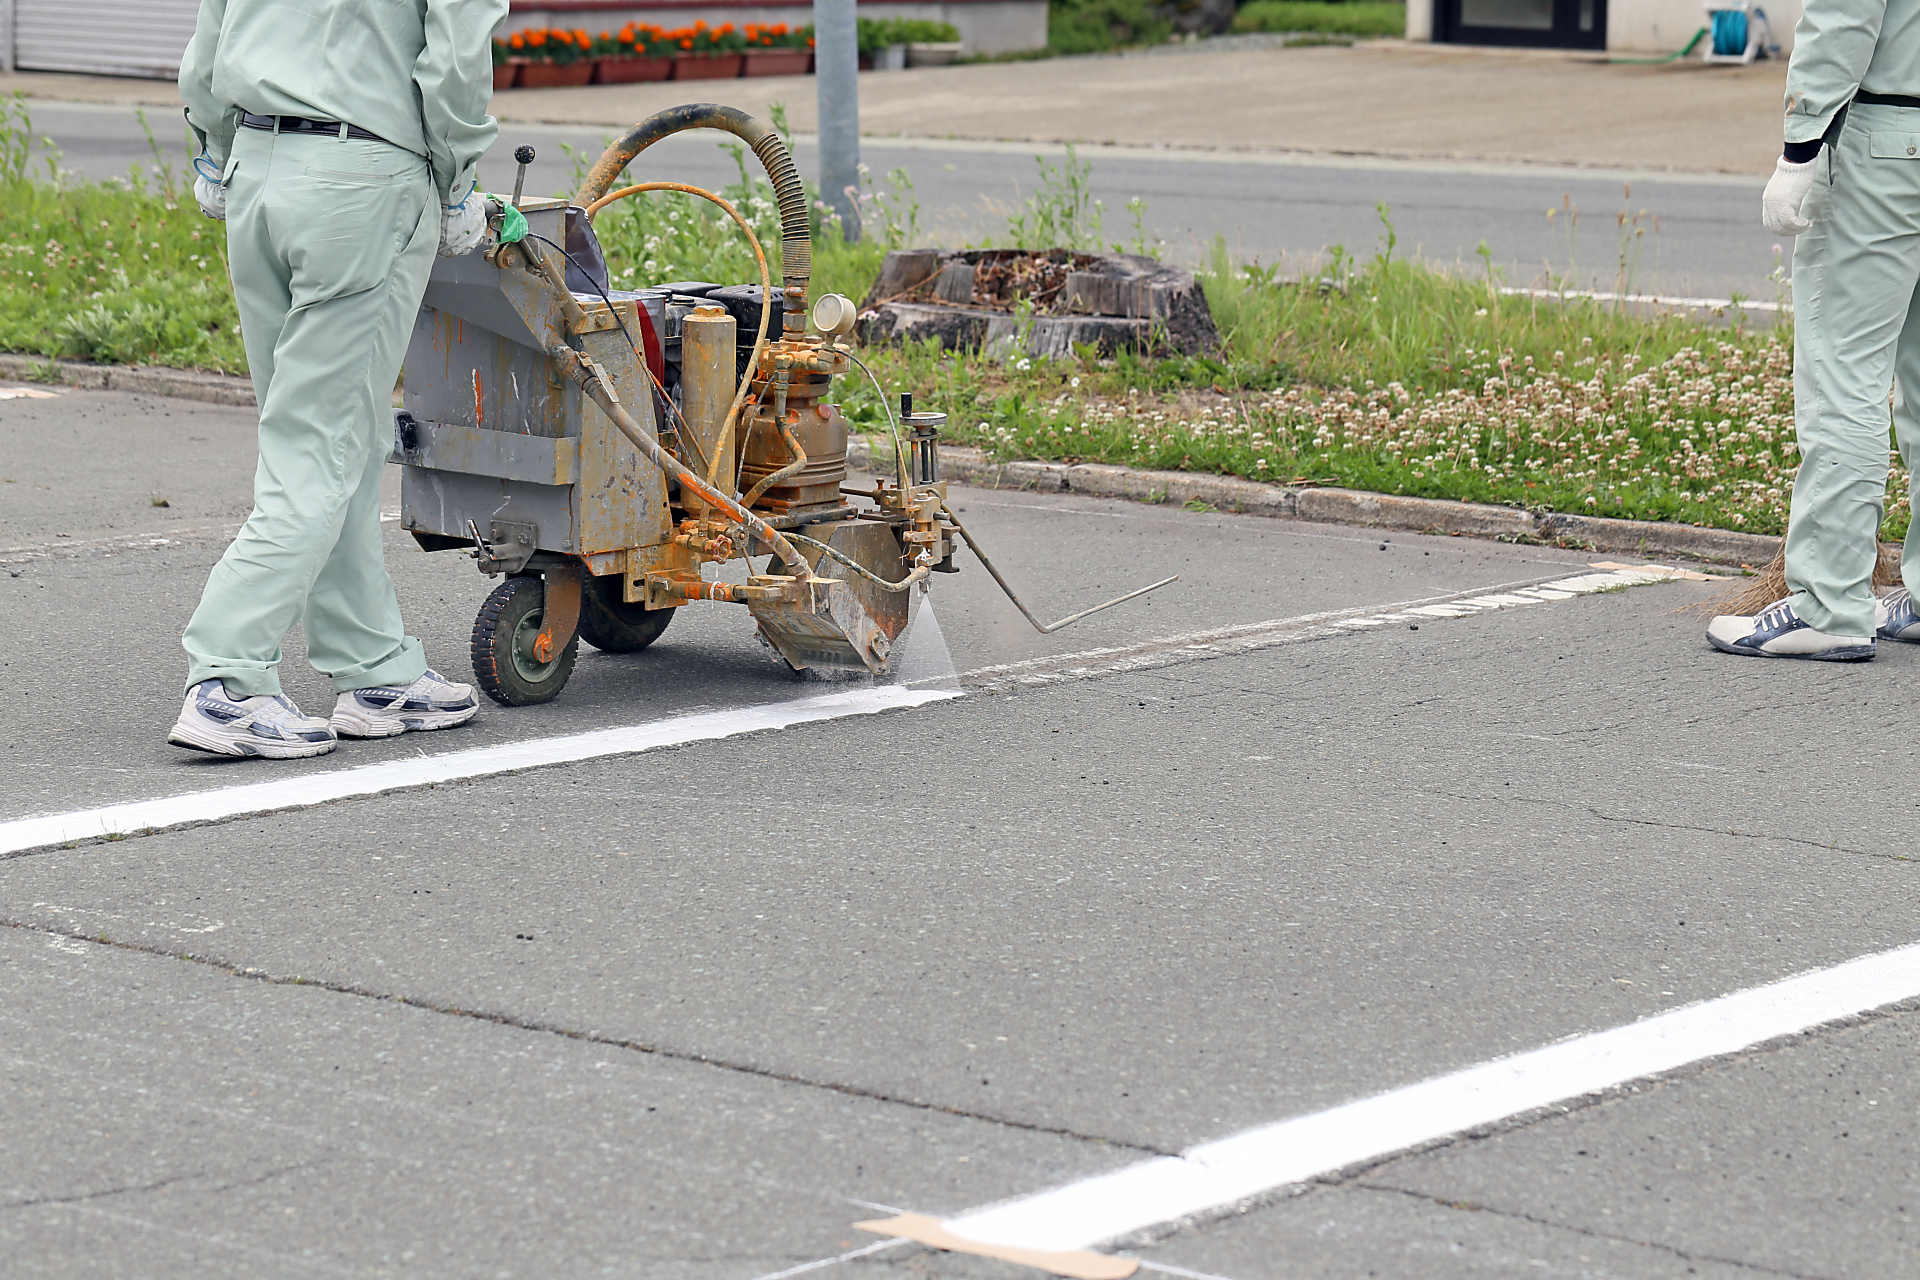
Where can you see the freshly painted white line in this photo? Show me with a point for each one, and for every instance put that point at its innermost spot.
(310, 789)
(1215, 1176)
(306, 790)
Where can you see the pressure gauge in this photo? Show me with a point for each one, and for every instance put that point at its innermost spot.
(834, 315)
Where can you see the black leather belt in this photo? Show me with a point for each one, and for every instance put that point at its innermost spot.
(299, 124)
(1886, 99)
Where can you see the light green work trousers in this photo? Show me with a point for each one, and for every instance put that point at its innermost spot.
(329, 242)
(1856, 316)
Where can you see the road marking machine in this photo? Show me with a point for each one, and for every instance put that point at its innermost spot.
(599, 448)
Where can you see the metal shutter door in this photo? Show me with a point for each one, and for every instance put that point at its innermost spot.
(109, 37)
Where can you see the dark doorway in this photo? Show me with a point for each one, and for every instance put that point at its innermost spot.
(1548, 24)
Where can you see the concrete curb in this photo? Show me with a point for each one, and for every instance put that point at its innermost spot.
(181, 384)
(1351, 507)
(1100, 480)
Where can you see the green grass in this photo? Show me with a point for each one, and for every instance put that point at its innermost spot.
(1098, 26)
(123, 272)
(1359, 18)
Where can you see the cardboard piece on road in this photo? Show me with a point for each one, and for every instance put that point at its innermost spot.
(1078, 1265)
(1667, 572)
(27, 393)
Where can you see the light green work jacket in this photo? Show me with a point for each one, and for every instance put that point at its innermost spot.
(417, 72)
(1842, 46)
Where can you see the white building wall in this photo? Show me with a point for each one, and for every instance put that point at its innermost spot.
(1661, 26)
(1644, 26)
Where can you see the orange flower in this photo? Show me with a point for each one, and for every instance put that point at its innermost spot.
(519, 40)
(686, 44)
(537, 39)
(581, 37)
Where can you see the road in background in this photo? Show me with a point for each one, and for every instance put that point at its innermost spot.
(1697, 236)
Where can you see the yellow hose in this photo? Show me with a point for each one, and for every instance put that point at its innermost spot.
(766, 292)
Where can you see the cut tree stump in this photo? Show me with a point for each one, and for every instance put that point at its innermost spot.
(966, 300)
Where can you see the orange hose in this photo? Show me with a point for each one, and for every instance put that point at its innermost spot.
(766, 292)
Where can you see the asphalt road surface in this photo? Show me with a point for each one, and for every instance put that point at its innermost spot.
(1696, 237)
(1293, 833)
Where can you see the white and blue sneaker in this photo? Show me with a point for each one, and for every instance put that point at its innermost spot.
(431, 702)
(1778, 632)
(1895, 617)
(262, 725)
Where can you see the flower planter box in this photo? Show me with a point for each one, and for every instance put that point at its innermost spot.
(778, 62)
(707, 66)
(507, 75)
(933, 55)
(631, 70)
(554, 75)
(891, 58)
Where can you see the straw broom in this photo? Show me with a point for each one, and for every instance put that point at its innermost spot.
(1770, 584)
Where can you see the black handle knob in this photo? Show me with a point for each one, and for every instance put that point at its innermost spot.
(523, 154)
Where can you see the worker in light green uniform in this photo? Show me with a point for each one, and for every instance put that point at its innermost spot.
(1848, 185)
(340, 142)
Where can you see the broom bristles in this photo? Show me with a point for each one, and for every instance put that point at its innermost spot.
(1770, 584)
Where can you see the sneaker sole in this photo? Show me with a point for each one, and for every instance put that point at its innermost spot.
(1840, 653)
(1888, 635)
(194, 738)
(358, 726)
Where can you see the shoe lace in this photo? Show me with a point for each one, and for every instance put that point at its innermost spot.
(1778, 615)
(280, 710)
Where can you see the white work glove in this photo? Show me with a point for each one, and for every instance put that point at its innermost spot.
(208, 190)
(463, 226)
(1786, 193)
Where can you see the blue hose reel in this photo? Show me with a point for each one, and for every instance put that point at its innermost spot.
(1729, 33)
(1736, 31)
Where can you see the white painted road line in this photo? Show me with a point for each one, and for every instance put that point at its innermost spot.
(311, 789)
(1252, 636)
(116, 542)
(1216, 1176)
(1650, 299)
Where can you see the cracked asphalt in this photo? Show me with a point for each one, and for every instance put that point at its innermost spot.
(695, 1012)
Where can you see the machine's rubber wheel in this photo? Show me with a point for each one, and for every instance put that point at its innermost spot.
(503, 637)
(612, 625)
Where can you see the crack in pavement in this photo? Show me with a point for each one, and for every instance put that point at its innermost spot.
(1594, 811)
(1474, 1206)
(541, 1027)
(172, 1180)
(103, 1193)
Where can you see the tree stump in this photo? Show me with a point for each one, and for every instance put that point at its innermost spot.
(1043, 303)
